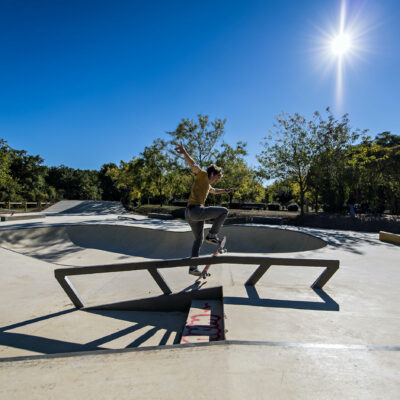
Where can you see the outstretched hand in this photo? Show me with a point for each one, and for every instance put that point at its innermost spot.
(180, 149)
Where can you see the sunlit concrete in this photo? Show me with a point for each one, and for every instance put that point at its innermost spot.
(341, 342)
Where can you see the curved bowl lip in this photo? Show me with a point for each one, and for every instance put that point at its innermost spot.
(185, 230)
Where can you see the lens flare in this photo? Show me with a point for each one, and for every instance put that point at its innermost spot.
(341, 44)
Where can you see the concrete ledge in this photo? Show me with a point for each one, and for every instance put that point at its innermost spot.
(389, 237)
(20, 217)
(204, 322)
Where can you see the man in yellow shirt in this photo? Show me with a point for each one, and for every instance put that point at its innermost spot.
(196, 212)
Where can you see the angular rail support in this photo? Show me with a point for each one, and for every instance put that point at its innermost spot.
(258, 273)
(69, 289)
(331, 266)
(326, 275)
(160, 280)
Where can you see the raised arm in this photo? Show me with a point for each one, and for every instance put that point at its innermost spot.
(221, 191)
(189, 160)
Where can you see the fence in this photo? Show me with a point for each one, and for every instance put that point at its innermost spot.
(24, 204)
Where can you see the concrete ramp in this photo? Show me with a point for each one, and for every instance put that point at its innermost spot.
(86, 207)
(205, 322)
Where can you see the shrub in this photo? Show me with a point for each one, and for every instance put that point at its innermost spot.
(178, 213)
(274, 206)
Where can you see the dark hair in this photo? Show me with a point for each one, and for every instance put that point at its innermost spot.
(213, 169)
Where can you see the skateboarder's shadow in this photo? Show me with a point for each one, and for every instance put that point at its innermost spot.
(254, 299)
(194, 286)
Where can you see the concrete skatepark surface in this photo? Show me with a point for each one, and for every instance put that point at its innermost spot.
(283, 339)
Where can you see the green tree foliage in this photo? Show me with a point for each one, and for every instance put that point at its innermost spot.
(322, 158)
(5, 175)
(74, 184)
(157, 171)
(22, 176)
(129, 179)
(199, 138)
(331, 177)
(107, 184)
(376, 173)
(387, 139)
(281, 192)
(290, 152)
(237, 174)
(29, 173)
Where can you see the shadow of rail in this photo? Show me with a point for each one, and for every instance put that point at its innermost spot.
(253, 299)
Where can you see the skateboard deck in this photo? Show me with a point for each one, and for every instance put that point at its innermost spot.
(220, 250)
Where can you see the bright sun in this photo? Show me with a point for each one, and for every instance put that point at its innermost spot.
(341, 44)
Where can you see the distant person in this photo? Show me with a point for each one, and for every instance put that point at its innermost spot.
(196, 212)
(351, 203)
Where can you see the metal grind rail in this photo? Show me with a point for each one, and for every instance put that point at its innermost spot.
(264, 263)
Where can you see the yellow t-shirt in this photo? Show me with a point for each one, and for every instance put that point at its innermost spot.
(200, 189)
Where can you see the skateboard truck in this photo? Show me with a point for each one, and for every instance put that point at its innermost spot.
(220, 250)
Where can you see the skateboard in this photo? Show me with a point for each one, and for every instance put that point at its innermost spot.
(220, 250)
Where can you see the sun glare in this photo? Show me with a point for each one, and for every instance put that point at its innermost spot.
(341, 44)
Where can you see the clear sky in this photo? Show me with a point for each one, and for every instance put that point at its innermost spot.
(87, 82)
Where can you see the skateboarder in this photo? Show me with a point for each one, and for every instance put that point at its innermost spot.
(196, 212)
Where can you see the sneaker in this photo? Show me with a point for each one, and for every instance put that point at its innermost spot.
(194, 271)
(213, 239)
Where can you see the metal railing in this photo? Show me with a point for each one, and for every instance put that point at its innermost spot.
(264, 263)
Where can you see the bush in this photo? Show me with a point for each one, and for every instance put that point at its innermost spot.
(293, 207)
(274, 206)
(178, 213)
(252, 206)
(179, 203)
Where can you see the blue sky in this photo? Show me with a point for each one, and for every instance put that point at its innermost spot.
(83, 82)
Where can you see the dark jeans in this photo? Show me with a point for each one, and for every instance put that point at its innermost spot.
(196, 216)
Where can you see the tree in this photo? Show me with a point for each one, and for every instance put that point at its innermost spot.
(376, 174)
(129, 179)
(5, 162)
(281, 191)
(387, 139)
(156, 169)
(89, 185)
(107, 184)
(27, 177)
(291, 154)
(74, 184)
(199, 138)
(330, 175)
(237, 174)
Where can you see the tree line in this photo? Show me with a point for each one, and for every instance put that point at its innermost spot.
(323, 162)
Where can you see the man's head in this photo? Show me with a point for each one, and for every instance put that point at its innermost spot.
(214, 173)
